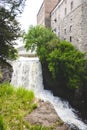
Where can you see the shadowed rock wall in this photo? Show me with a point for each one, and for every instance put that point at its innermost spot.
(6, 71)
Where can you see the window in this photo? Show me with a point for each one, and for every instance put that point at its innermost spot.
(71, 5)
(71, 28)
(55, 20)
(70, 39)
(64, 31)
(65, 11)
(65, 1)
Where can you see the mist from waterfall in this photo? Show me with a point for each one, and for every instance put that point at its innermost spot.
(27, 72)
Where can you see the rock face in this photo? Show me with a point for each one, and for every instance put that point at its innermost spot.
(6, 71)
(45, 115)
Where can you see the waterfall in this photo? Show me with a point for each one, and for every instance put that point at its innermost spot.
(28, 73)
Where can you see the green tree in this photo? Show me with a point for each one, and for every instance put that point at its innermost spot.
(38, 39)
(14, 6)
(64, 61)
(69, 64)
(9, 27)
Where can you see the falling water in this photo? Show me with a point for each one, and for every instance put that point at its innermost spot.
(28, 73)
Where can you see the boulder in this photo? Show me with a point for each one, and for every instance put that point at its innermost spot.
(46, 115)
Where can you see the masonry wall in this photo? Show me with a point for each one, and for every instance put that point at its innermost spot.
(49, 5)
(84, 26)
(43, 16)
(71, 26)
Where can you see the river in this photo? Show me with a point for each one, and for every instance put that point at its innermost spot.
(27, 72)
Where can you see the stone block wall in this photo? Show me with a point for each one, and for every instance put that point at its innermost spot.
(43, 16)
(84, 26)
(71, 26)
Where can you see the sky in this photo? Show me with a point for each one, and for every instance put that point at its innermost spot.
(29, 15)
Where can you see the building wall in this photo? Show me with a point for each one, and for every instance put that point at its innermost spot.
(71, 24)
(43, 16)
(49, 5)
(84, 26)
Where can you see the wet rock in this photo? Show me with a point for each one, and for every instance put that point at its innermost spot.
(45, 115)
(6, 71)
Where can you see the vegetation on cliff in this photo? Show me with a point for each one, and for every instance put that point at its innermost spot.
(63, 59)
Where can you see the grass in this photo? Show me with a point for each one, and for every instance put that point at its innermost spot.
(15, 104)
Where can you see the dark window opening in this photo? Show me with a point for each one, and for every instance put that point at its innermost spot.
(71, 5)
(70, 39)
(65, 11)
(64, 31)
(71, 28)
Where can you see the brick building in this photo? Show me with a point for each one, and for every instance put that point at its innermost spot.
(43, 16)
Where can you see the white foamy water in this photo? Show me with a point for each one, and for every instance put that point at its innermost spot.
(28, 73)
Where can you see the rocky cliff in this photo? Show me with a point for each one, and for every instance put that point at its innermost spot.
(6, 71)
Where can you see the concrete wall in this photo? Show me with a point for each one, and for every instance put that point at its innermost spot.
(72, 25)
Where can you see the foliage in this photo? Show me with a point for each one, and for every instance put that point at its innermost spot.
(63, 59)
(14, 6)
(37, 38)
(16, 104)
(9, 27)
(2, 124)
(69, 63)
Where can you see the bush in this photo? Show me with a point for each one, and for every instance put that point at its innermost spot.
(68, 63)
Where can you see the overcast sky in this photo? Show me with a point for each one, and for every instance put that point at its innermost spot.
(30, 13)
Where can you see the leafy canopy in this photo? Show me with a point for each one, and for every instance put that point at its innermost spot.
(9, 27)
(68, 63)
(38, 38)
(63, 59)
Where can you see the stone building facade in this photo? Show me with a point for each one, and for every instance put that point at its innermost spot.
(69, 22)
(43, 16)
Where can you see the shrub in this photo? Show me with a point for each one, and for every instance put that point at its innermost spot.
(68, 62)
